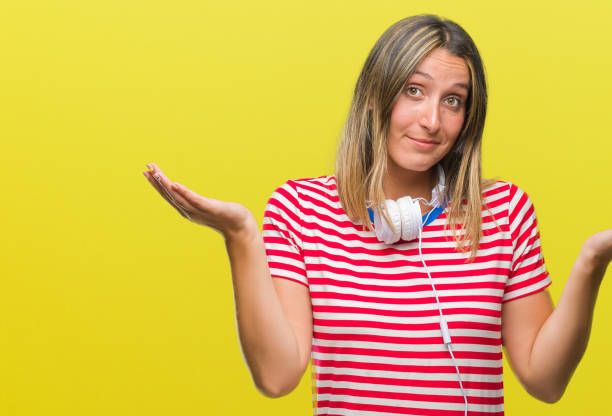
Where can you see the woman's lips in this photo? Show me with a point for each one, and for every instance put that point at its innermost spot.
(422, 143)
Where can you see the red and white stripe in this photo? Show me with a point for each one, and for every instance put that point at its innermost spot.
(377, 347)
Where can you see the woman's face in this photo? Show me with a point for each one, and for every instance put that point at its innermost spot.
(428, 115)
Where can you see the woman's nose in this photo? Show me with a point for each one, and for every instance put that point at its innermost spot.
(430, 116)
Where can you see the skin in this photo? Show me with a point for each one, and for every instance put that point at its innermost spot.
(273, 316)
(543, 343)
(431, 108)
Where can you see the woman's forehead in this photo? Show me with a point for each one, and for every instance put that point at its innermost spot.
(440, 65)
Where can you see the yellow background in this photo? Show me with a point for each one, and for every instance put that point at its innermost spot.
(111, 303)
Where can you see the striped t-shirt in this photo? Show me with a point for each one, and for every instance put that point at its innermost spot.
(377, 347)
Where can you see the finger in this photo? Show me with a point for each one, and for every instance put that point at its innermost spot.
(194, 199)
(155, 184)
(210, 210)
(208, 206)
(165, 186)
(160, 189)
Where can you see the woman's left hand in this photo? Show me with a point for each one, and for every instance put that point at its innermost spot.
(598, 248)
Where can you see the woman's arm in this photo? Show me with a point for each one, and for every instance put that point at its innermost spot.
(274, 318)
(544, 344)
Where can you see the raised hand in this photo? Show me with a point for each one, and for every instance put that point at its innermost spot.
(230, 219)
(599, 247)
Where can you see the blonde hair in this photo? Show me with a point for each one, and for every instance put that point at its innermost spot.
(362, 154)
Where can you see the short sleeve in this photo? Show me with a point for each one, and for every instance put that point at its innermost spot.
(282, 234)
(528, 272)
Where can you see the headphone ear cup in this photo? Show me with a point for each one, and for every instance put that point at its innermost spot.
(412, 221)
(383, 231)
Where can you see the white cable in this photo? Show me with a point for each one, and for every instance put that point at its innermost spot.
(459, 376)
(443, 325)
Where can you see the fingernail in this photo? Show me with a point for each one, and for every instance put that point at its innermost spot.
(145, 175)
(176, 185)
(150, 166)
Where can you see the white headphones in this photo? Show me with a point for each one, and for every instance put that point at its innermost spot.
(405, 214)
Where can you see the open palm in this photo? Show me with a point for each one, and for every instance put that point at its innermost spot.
(228, 218)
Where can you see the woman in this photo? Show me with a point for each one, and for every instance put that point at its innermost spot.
(407, 315)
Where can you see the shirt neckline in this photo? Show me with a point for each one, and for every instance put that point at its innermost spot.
(427, 218)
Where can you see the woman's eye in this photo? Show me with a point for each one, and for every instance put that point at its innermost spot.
(413, 91)
(453, 101)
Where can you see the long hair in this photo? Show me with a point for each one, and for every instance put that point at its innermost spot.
(362, 154)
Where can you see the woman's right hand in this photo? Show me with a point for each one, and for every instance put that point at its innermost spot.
(230, 219)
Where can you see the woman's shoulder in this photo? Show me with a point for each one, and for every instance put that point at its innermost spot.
(494, 186)
(319, 186)
(502, 191)
(328, 181)
(325, 183)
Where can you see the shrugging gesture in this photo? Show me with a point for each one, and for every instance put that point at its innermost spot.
(274, 318)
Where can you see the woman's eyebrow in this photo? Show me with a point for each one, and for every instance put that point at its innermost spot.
(457, 84)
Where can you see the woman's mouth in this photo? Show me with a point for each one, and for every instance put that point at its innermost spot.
(422, 143)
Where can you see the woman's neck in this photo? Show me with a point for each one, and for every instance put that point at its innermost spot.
(400, 182)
